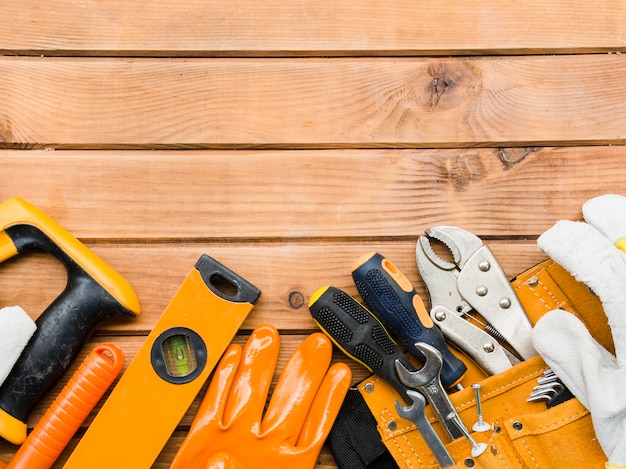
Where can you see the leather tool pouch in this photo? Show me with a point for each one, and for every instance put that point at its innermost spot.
(523, 434)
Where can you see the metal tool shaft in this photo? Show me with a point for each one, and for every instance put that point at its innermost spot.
(477, 448)
(415, 413)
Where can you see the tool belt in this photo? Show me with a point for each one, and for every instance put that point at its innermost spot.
(370, 434)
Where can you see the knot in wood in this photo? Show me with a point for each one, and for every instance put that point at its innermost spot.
(6, 134)
(452, 84)
(296, 299)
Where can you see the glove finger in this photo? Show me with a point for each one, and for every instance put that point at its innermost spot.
(574, 356)
(194, 448)
(297, 386)
(249, 391)
(324, 410)
(223, 461)
(607, 214)
(592, 259)
(214, 401)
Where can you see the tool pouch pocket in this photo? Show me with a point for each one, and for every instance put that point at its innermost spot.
(522, 435)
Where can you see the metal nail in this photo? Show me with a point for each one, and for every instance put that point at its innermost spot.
(477, 448)
(480, 425)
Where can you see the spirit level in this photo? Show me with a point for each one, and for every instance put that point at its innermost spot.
(168, 371)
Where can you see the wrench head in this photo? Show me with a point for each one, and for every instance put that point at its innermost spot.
(427, 373)
(413, 411)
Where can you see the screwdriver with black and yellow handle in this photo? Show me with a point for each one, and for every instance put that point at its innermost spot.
(358, 334)
(391, 297)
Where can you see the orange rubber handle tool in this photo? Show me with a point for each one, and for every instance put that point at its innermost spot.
(69, 410)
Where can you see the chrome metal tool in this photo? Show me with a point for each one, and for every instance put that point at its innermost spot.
(550, 389)
(472, 300)
(427, 381)
(415, 413)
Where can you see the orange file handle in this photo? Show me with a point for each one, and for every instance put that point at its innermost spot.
(70, 409)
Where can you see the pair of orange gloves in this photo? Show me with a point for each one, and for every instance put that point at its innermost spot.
(234, 429)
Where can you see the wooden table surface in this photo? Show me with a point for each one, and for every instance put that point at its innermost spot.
(288, 138)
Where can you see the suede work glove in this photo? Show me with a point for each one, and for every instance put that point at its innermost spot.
(233, 431)
(590, 252)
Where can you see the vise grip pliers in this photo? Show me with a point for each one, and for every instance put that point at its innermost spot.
(474, 282)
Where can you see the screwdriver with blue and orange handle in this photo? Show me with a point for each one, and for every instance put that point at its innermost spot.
(391, 297)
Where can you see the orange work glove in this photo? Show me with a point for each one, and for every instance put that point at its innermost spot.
(231, 429)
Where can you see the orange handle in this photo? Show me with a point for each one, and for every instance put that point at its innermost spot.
(70, 409)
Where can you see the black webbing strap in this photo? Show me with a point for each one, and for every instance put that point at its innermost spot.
(354, 441)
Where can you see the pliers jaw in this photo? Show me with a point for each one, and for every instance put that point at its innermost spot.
(461, 243)
(440, 275)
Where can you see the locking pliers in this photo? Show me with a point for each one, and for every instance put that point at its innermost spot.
(473, 281)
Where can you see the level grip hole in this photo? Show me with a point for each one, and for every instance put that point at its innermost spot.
(225, 286)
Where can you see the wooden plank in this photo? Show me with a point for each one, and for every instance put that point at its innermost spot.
(348, 103)
(325, 27)
(277, 195)
(287, 275)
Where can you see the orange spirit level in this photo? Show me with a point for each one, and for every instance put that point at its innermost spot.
(170, 368)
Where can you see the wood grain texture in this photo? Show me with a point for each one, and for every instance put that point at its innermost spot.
(205, 27)
(287, 275)
(286, 139)
(341, 102)
(278, 195)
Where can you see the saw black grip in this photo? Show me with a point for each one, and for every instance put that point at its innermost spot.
(62, 329)
(392, 299)
(358, 334)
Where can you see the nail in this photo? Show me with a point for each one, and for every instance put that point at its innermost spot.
(477, 448)
(480, 425)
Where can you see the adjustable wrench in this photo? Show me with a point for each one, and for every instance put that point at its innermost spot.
(415, 413)
(427, 381)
